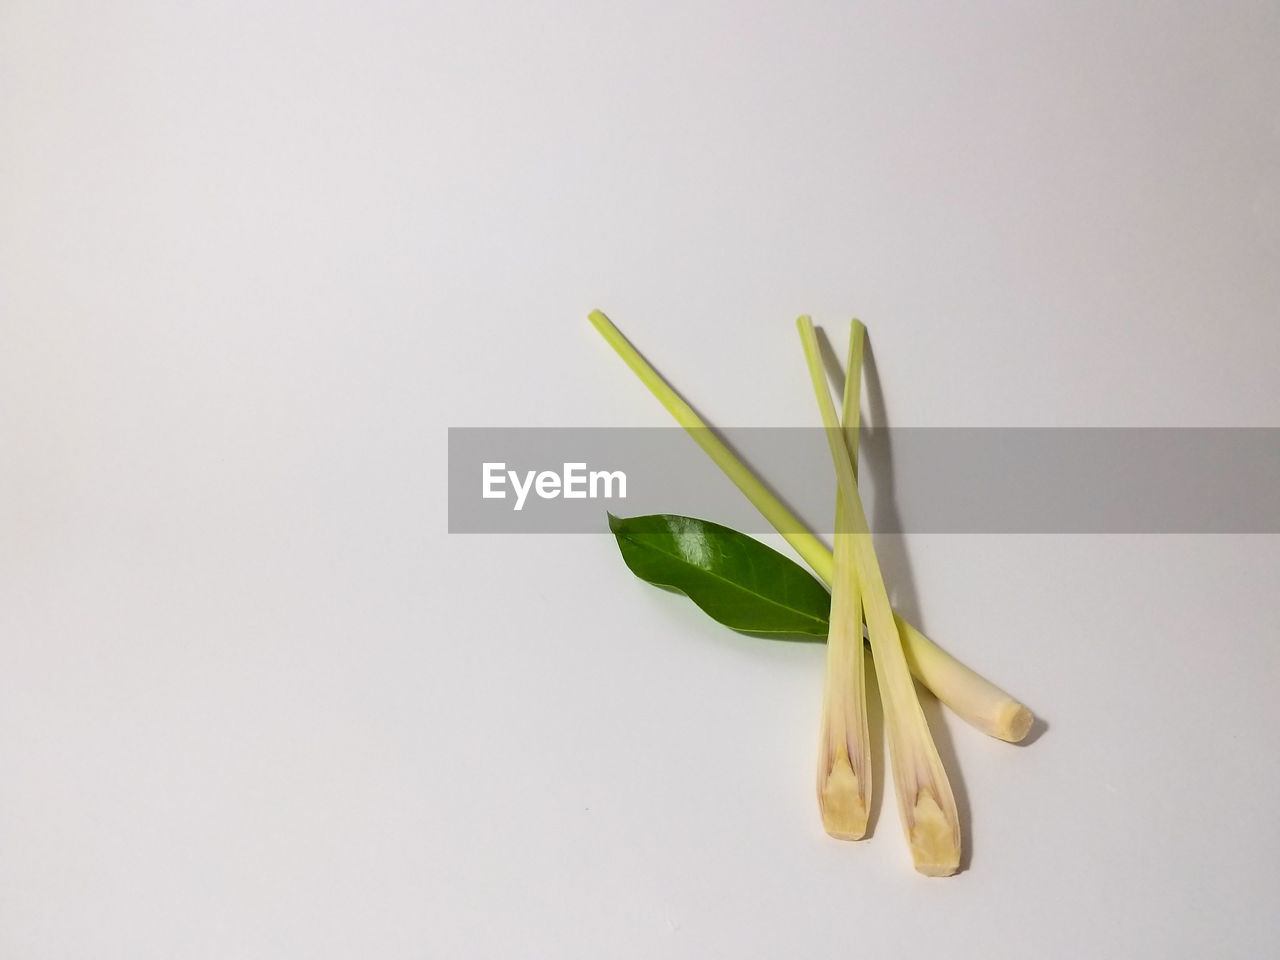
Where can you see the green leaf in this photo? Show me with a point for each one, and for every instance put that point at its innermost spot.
(735, 579)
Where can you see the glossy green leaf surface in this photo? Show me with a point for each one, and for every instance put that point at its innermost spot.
(734, 578)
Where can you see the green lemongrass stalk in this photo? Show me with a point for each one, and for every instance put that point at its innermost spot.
(971, 696)
(844, 748)
(925, 801)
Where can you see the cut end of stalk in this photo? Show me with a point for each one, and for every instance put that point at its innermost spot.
(935, 848)
(1015, 722)
(844, 810)
(1010, 721)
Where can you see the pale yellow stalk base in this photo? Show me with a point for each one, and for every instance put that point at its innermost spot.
(935, 849)
(842, 801)
(965, 691)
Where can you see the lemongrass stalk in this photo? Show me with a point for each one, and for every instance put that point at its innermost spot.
(844, 747)
(925, 802)
(972, 697)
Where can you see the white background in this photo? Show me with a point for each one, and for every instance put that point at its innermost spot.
(255, 702)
